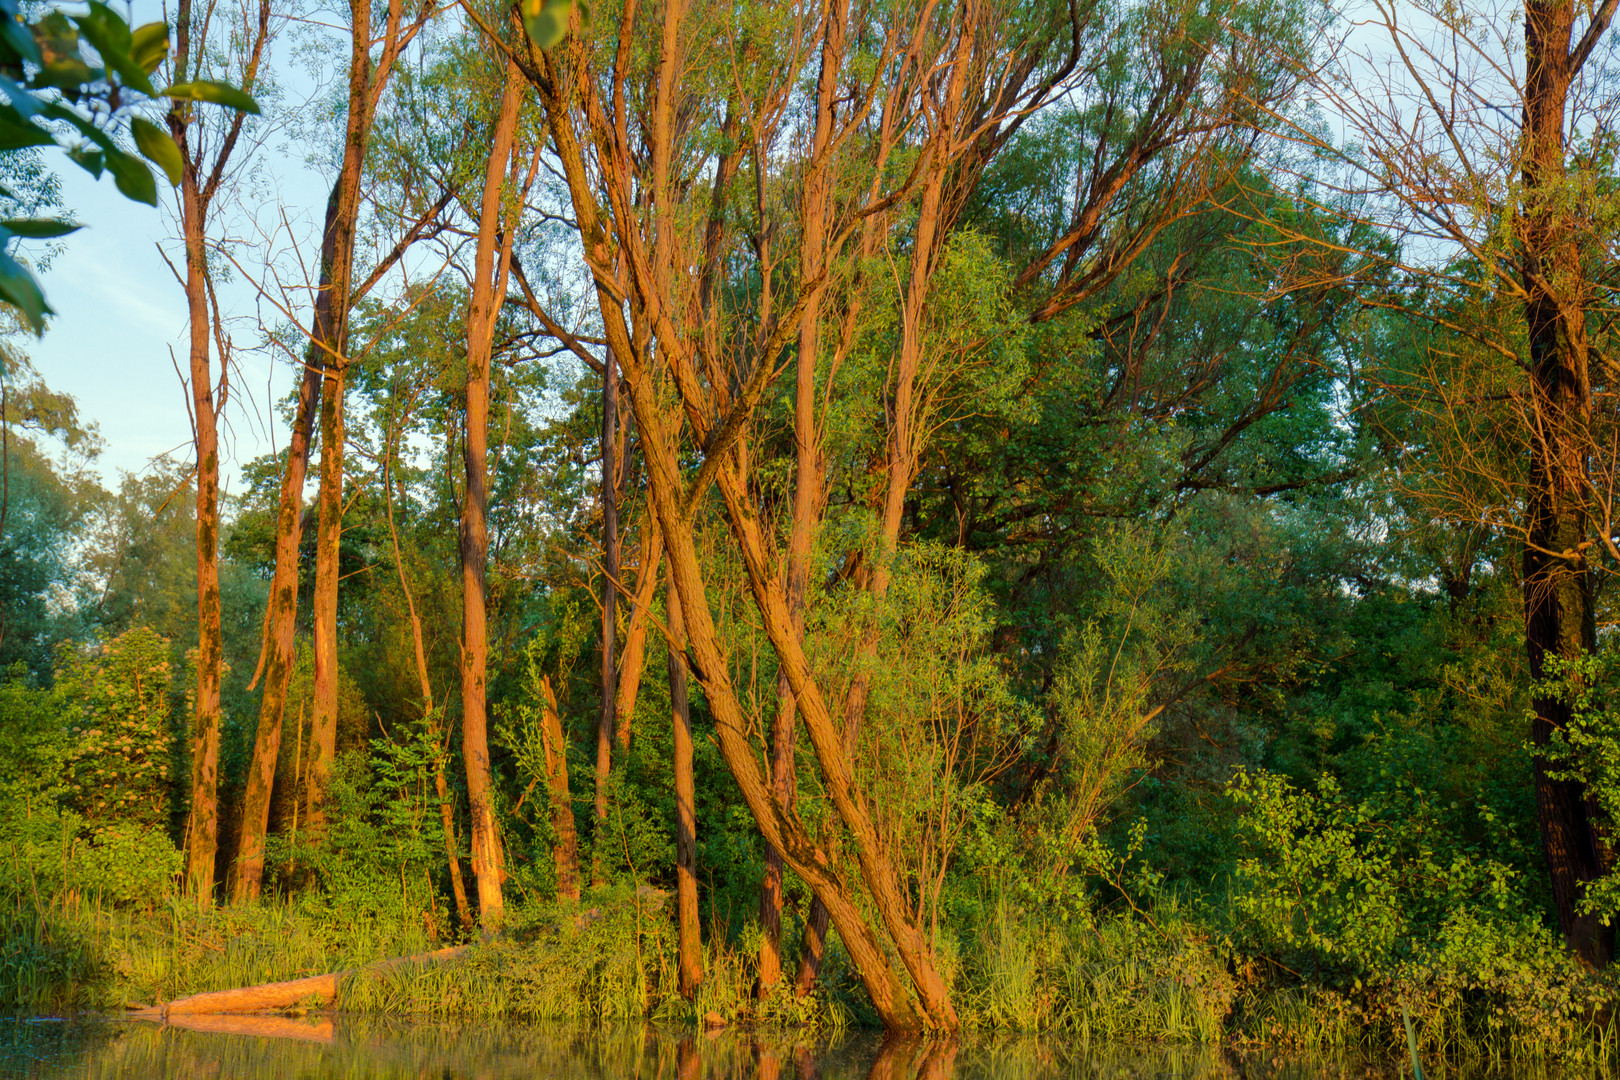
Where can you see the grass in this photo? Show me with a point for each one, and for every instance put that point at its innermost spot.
(1104, 979)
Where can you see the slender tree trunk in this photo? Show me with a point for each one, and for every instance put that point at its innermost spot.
(686, 897)
(202, 838)
(334, 361)
(204, 163)
(430, 711)
(632, 663)
(1559, 610)
(328, 541)
(329, 342)
(610, 631)
(900, 467)
(807, 483)
(565, 852)
(490, 265)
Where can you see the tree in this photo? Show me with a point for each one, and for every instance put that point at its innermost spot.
(205, 161)
(1502, 210)
(320, 392)
(497, 229)
(46, 508)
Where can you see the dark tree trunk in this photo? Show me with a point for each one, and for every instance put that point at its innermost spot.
(1558, 602)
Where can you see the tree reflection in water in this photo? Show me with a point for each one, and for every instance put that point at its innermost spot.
(327, 1047)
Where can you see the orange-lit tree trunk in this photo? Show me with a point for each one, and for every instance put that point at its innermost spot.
(366, 83)
(491, 263)
(633, 661)
(202, 833)
(816, 203)
(565, 852)
(203, 169)
(689, 928)
(610, 596)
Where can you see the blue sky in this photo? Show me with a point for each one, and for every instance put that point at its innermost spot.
(120, 326)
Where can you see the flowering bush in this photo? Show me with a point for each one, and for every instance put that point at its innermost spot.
(117, 708)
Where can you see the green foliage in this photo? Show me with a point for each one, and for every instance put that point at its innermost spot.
(1587, 748)
(1375, 906)
(57, 858)
(374, 862)
(117, 707)
(84, 75)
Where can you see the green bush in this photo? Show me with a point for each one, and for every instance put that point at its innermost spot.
(1373, 906)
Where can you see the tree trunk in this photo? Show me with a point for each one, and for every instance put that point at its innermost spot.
(1558, 602)
(899, 470)
(430, 711)
(334, 363)
(686, 897)
(488, 291)
(610, 631)
(277, 658)
(202, 835)
(633, 661)
(200, 179)
(565, 852)
(328, 541)
(807, 483)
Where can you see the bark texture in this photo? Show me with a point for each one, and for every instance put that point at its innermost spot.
(1559, 611)
(565, 850)
(491, 263)
(689, 927)
(203, 166)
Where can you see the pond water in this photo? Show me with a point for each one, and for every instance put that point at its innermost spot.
(367, 1048)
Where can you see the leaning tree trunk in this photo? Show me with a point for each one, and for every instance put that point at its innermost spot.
(281, 615)
(807, 498)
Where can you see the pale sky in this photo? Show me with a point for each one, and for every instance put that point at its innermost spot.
(120, 326)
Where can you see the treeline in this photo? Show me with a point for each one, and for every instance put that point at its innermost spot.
(918, 482)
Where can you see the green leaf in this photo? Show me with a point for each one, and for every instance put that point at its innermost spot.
(158, 147)
(546, 21)
(111, 37)
(16, 133)
(132, 177)
(61, 62)
(216, 92)
(39, 228)
(18, 38)
(19, 289)
(88, 160)
(112, 25)
(149, 45)
(19, 100)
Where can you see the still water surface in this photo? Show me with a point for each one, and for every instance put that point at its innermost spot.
(365, 1048)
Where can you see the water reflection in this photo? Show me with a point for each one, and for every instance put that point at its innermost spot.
(363, 1048)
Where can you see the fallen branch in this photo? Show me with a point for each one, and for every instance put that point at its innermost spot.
(316, 990)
